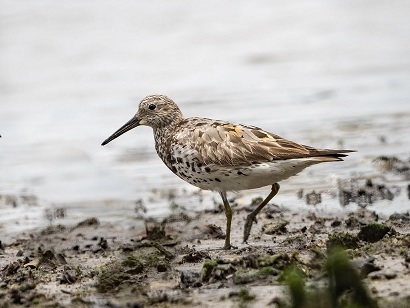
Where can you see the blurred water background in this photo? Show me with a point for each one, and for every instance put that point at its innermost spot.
(331, 74)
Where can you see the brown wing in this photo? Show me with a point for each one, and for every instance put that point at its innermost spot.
(218, 142)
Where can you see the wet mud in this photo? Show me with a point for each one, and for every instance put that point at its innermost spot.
(306, 258)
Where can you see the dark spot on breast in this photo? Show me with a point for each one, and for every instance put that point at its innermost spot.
(199, 165)
(179, 160)
(187, 164)
(218, 180)
(207, 169)
(240, 173)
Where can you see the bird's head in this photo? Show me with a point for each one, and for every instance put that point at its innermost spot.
(156, 111)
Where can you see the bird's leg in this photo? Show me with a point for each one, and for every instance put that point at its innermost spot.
(251, 217)
(228, 213)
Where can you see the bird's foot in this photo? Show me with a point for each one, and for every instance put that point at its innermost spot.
(229, 247)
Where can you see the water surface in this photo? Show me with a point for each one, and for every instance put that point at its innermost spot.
(328, 74)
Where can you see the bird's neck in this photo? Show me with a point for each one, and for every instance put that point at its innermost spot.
(163, 134)
(163, 139)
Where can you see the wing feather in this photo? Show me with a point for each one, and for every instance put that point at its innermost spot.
(218, 142)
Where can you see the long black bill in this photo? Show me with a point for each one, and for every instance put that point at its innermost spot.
(134, 122)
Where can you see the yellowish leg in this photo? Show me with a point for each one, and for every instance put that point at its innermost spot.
(228, 213)
(252, 216)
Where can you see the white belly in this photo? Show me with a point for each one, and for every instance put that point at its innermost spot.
(229, 178)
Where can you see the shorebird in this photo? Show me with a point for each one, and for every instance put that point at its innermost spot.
(222, 156)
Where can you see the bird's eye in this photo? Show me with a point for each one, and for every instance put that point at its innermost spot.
(152, 106)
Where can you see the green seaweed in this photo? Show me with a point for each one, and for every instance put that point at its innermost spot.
(373, 232)
(278, 261)
(344, 288)
(207, 269)
(342, 239)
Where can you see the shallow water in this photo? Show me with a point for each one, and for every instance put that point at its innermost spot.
(334, 74)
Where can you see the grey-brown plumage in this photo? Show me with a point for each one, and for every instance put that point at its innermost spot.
(222, 156)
